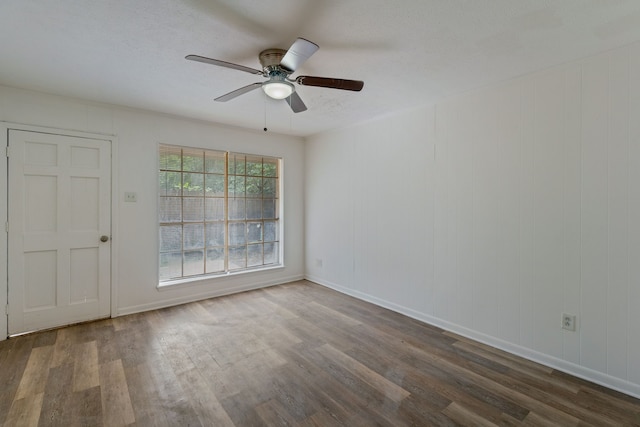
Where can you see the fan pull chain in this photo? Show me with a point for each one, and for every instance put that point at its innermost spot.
(265, 112)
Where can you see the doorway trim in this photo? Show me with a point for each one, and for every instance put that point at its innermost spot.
(5, 127)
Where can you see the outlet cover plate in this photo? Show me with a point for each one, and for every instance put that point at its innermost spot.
(568, 322)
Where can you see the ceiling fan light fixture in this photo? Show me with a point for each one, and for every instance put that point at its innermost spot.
(277, 66)
(278, 90)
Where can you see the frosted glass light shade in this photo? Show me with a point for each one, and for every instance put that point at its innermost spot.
(278, 90)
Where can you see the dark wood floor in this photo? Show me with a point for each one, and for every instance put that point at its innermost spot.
(296, 354)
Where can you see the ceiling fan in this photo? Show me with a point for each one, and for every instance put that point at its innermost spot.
(277, 66)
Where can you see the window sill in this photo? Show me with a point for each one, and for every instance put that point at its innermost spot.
(197, 280)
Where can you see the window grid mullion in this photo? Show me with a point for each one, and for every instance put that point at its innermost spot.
(226, 212)
(204, 223)
(182, 210)
(246, 222)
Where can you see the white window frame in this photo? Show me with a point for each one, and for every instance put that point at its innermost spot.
(263, 221)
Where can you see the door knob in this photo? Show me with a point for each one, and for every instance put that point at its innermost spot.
(104, 238)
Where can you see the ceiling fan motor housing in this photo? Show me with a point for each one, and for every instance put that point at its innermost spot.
(270, 59)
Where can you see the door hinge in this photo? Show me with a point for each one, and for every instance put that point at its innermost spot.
(6, 226)
(6, 309)
(7, 150)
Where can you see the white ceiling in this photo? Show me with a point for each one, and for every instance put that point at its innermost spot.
(408, 52)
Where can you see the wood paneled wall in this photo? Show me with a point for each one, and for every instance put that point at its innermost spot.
(494, 212)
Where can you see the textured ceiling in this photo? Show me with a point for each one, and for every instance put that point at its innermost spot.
(408, 52)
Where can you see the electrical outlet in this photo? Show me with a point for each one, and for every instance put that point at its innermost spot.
(568, 322)
(319, 263)
(130, 196)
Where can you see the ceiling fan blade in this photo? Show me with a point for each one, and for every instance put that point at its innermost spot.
(238, 92)
(355, 85)
(295, 102)
(298, 53)
(222, 64)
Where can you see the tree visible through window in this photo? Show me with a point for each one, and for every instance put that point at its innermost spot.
(218, 212)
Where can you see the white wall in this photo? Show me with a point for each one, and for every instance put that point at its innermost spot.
(492, 213)
(135, 239)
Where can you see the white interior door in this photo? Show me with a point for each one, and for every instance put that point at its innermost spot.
(59, 209)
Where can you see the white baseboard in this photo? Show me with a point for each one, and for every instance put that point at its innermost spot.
(579, 371)
(232, 289)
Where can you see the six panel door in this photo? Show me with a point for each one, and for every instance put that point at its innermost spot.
(59, 211)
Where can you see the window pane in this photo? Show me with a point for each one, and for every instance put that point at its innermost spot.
(214, 162)
(170, 184)
(271, 255)
(214, 209)
(237, 257)
(170, 209)
(215, 260)
(269, 208)
(236, 186)
(237, 234)
(170, 158)
(193, 235)
(170, 265)
(254, 186)
(254, 208)
(270, 167)
(270, 231)
(193, 209)
(192, 160)
(193, 263)
(236, 164)
(171, 238)
(254, 255)
(254, 232)
(192, 184)
(214, 186)
(236, 209)
(215, 234)
(269, 188)
(254, 166)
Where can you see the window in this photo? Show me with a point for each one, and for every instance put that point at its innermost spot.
(218, 212)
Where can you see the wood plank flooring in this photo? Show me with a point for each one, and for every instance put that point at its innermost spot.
(291, 355)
